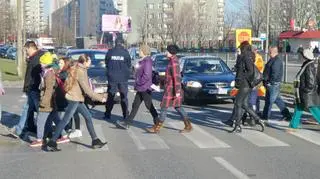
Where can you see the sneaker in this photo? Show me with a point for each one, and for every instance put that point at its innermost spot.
(13, 131)
(75, 134)
(36, 143)
(122, 124)
(96, 143)
(63, 140)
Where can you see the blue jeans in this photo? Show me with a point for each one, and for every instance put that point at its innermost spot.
(298, 111)
(44, 123)
(31, 106)
(272, 96)
(180, 110)
(72, 107)
(254, 100)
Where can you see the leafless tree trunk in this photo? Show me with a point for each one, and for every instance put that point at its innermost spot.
(257, 13)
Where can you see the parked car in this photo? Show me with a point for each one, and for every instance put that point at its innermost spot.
(160, 63)
(10, 53)
(97, 71)
(206, 78)
(3, 50)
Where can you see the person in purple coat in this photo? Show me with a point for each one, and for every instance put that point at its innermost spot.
(143, 83)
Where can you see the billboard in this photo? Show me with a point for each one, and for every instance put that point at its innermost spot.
(116, 23)
(243, 35)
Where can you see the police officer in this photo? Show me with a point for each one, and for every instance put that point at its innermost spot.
(118, 64)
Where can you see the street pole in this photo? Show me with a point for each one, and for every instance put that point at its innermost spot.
(20, 59)
(267, 39)
(75, 22)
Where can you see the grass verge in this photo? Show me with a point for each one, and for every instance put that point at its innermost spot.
(287, 88)
(9, 70)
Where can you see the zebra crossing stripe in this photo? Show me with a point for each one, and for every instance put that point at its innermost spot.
(310, 136)
(261, 139)
(85, 140)
(146, 141)
(200, 137)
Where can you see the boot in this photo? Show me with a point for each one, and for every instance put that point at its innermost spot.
(187, 126)
(155, 128)
(286, 115)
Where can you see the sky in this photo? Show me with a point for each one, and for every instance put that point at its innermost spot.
(46, 7)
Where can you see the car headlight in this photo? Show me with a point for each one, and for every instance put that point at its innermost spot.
(232, 84)
(194, 84)
(162, 73)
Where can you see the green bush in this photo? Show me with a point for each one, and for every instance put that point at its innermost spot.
(9, 70)
(287, 88)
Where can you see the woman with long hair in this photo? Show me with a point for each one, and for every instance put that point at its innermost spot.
(244, 77)
(76, 86)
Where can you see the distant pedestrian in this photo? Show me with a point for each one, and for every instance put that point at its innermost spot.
(307, 95)
(316, 51)
(300, 53)
(173, 92)
(143, 83)
(272, 76)
(118, 63)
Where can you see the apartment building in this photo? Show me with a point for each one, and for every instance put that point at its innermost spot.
(35, 22)
(160, 18)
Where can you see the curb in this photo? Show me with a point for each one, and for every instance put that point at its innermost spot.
(13, 84)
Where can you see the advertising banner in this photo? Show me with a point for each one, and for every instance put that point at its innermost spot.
(116, 23)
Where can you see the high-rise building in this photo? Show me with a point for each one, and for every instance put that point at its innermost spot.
(35, 22)
(153, 20)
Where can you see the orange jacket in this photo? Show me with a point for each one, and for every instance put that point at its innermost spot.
(260, 65)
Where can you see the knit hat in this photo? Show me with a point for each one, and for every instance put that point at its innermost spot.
(173, 49)
(46, 59)
(307, 53)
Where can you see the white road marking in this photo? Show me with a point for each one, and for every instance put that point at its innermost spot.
(237, 173)
(146, 141)
(86, 139)
(200, 137)
(261, 139)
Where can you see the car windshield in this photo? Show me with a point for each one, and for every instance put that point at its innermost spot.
(204, 66)
(161, 61)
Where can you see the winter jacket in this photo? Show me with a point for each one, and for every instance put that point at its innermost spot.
(172, 85)
(244, 70)
(61, 101)
(273, 71)
(118, 63)
(81, 87)
(47, 101)
(309, 93)
(144, 75)
(32, 78)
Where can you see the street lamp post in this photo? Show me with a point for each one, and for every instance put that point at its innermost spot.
(268, 24)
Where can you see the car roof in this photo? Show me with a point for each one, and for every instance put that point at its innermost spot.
(203, 57)
(75, 51)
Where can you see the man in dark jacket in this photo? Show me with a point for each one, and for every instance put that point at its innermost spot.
(31, 88)
(118, 63)
(272, 76)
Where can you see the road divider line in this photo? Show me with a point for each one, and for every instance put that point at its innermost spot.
(86, 140)
(200, 137)
(237, 173)
(146, 141)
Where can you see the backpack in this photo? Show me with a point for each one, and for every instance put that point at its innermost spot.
(155, 78)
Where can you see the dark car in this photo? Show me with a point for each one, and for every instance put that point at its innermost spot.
(97, 70)
(3, 50)
(160, 63)
(11, 53)
(206, 78)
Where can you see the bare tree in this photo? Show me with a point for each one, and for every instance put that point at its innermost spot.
(257, 15)
(229, 24)
(143, 25)
(200, 23)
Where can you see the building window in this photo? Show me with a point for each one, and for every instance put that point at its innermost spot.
(159, 15)
(159, 6)
(150, 6)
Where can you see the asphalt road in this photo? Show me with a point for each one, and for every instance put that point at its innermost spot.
(208, 152)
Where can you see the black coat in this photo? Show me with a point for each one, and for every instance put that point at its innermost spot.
(32, 78)
(244, 70)
(309, 93)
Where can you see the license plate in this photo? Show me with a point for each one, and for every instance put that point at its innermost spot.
(218, 91)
